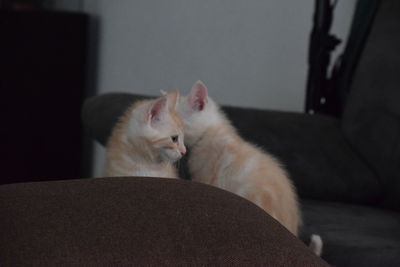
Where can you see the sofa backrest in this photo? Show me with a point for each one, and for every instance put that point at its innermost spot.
(371, 120)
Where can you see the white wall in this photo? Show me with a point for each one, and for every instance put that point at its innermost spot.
(249, 53)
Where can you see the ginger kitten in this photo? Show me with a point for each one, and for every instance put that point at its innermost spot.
(220, 157)
(147, 140)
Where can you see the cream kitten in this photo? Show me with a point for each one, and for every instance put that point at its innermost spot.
(220, 157)
(147, 140)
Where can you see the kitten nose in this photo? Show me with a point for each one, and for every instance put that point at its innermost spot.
(183, 153)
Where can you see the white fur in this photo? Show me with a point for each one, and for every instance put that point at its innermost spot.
(316, 244)
(196, 123)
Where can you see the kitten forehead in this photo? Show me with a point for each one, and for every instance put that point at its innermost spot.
(176, 120)
(169, 123)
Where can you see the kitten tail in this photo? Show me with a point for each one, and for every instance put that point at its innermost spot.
(316, 244)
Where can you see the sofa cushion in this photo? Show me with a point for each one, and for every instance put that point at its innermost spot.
(354, 235)
(100, 113)
(313, 149)
(371, 119)
(140, 222)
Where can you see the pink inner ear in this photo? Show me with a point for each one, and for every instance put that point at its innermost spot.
(157, 109)
(198, 96)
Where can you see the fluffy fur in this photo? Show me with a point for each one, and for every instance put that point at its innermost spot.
(220, 157)
(147, 140)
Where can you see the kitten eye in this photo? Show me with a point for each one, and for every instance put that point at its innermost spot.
(174, 138)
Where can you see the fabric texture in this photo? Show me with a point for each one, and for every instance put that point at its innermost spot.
(354, 235)
(139, 222)
(371, 119)
(314, 151)
(101, 113)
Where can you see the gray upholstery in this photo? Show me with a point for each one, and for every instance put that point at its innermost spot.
(371, 121)
(99, 114)
(315, 152)
(354, 235)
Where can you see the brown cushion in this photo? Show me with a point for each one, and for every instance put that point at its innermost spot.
(139, 221)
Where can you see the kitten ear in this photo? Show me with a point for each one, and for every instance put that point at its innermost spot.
(157, 110)
(198, 96)
(172, 99)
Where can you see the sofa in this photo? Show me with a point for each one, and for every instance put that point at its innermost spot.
(346, 170)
